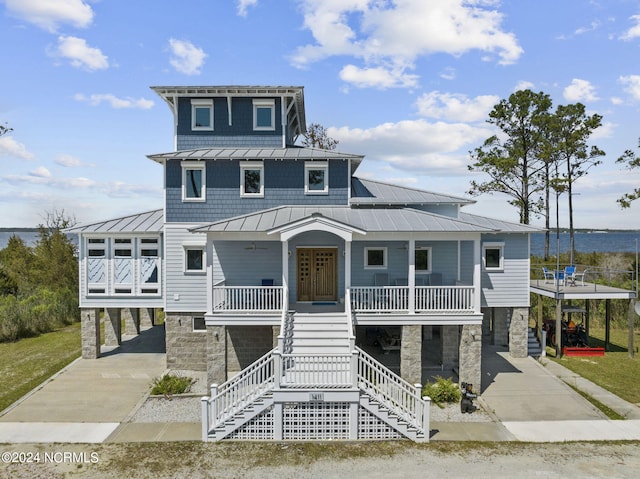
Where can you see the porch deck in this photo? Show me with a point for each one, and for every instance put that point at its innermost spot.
(587, 290)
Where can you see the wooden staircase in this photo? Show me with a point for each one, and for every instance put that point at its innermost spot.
(533, 345)
(326, 333)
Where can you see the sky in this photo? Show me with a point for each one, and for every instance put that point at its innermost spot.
(407, 83)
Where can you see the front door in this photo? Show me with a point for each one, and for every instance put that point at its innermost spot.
(317, 274)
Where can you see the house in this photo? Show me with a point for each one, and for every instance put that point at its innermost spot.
(274, 263)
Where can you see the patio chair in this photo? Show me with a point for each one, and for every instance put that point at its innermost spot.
(571, 275)
(548, 275)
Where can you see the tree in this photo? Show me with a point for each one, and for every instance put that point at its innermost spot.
(55, 253)
(514, 159)
(631, 161)
(16, 264)
(316, 137)
(570, 130)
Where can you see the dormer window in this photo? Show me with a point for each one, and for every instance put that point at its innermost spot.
(264, 116)
(201, 114)
(316, 178)
(251, 179)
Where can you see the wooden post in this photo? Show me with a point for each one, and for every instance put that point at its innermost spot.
(586, 316)
(607, 309)
(631, 325)
(558, 328)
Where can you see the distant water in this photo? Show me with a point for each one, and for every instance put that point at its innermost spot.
(611, 242)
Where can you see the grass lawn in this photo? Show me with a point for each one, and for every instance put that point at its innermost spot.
(615, 371)
(28, 362)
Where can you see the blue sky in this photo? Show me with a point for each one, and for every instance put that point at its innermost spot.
(407, 83)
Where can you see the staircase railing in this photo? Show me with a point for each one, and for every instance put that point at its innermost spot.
(234, 395)
(285, 338)
(392, 391)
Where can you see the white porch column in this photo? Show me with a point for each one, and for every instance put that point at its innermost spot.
(411, 280)
(477, 287)
(285, 274)
(209, 250)
(347, 265)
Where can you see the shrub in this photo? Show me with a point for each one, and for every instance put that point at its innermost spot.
(442, 391)
(170, 384)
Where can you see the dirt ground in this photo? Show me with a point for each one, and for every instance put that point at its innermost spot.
(373, 460)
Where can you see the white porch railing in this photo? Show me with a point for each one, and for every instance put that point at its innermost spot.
(248, 299)
(428, 299)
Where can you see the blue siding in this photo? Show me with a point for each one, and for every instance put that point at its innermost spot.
(283, 185)
(242, 118)
(510, 287)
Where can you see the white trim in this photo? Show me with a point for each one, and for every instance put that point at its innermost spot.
(199, 103)
(203, 250)
(251, 165)
(316, 165)
(191, 166)
(264, 103)
(493, 245)
(384, 257)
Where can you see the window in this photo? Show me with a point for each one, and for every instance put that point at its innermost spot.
(96, 266)
(194, 259)
(199, 324)
(193, 182)
(149, 265)
(316, 176)
(122, 265)
(493, 256)
(202, 114)
(251, 183)
(264, 117)
(423, 259)
(375, 258)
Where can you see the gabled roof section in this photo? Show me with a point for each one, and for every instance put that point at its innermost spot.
(369, 192)
(291, 152)
(365, 219)
(294, 96)
(148, 222)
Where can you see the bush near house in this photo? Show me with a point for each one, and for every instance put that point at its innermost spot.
(442, 391)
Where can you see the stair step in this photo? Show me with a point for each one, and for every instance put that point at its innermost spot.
(320, 335)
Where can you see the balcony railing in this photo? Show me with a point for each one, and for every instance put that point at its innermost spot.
(363, 299)
(258, 299)
(427, 299)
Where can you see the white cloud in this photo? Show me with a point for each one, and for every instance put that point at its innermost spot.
(10, 147)
(80, 54)
(616, 100)
(50, 14)
(580, 91)
(243, 6)
(40, 172)
(69, 161)
(417, 146)
(378, 77)
(524, 85)
(186, 57)
(115, 102)
(594, 25)
(385, 33)
(634, 31)
(449, 73)
(605, 131)
(632, 85)
(456, 107)
(43, 180)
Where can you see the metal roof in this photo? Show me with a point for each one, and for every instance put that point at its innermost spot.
(148, 222)
(292, 152)
(367, 219)
(369, 192)
(499, 225)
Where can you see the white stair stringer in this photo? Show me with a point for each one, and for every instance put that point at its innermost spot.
(390, 418)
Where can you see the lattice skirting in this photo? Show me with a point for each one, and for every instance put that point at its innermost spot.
(307, 421)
